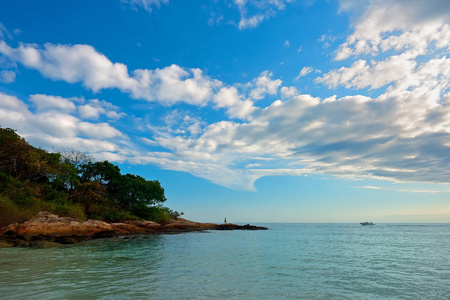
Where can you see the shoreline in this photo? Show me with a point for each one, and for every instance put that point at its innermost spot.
(48, 230)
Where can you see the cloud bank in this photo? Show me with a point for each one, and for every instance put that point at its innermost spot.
(401, 134)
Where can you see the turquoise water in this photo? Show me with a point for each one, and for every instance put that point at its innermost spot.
(289, 261)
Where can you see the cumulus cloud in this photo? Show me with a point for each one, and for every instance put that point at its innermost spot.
(289, 92)
(264, 85)
(94, 108)
(349, 137)
(46, 102)
(98, 130)
(54, 124)
(401, 134)
(399, 24)
(12, 104)
(234, 102)
(417, 37)
(399, 71)
(82, 63)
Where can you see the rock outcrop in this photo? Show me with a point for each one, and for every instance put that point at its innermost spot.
(239, 227)
(49, 230)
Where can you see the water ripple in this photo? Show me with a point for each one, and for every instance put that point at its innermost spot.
(290, 261)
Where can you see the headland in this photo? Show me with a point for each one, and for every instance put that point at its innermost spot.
(49, 230)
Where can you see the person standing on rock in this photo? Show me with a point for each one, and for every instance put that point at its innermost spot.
(225, 220)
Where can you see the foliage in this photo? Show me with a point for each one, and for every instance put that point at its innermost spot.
(20, 160)
(158, 213)
(11, 213)
(72, 184)
(131, 192)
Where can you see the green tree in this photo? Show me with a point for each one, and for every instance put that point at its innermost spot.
(23, 161)
(104, 173)
(135, 192)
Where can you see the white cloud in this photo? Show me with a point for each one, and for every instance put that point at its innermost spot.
(431, 77)
(4, 32)
(146, 4)
(236, 105)
(98, 130)
(8, 68)
(46, 102)
(264, 85)
(242, 109)
(82, 63)
(12, 104)
(94, 108)
(174, 84)
(349, 137)
(304, 71)
(54, 125)
(226, 97)
(418, 22)
(253, 12)
(402, 134)
(287, 43)
(7, 76)
(251, 22)
(289, 92)
(370, 187)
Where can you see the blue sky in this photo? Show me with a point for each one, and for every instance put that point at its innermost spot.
(254, 110)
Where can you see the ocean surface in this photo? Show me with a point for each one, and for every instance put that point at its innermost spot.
(289, 261)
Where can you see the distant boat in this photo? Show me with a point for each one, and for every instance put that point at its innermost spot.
(366, 223)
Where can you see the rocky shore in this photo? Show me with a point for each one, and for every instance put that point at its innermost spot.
(48, 230)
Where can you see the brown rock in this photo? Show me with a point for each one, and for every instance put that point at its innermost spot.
(48, 230)
(7, 244)
(44, 244)
(66, 240)
(21, 243)
(47, 224)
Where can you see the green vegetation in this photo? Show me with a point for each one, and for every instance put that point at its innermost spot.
(71, 184)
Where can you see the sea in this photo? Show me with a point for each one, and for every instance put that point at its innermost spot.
(288, 261)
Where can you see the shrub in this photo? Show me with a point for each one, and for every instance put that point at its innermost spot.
(10, 213)
(156, 213)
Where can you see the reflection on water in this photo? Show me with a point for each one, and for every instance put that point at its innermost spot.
(309, 261)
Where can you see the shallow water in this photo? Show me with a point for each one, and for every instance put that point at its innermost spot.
(289, 261)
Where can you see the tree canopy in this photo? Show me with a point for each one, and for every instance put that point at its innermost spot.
(71, 183)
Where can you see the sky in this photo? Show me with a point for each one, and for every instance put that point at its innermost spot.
(253, 110)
